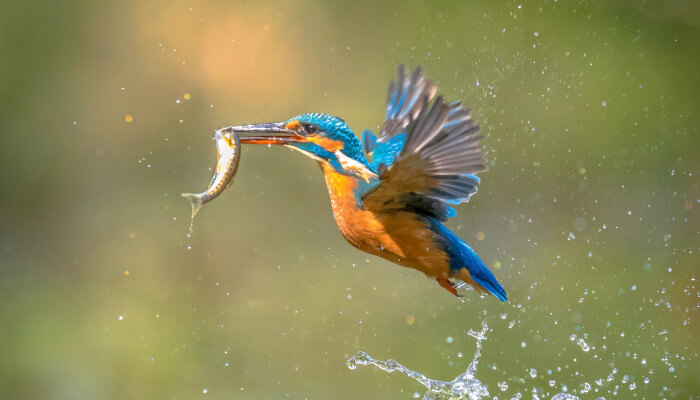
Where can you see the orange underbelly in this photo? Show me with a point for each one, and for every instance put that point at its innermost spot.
(400, 237)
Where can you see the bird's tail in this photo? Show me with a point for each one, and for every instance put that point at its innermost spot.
(462, 256)
(195, 200)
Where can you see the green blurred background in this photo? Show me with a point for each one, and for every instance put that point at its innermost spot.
(588, 215)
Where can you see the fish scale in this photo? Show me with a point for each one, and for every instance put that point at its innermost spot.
(228, 155)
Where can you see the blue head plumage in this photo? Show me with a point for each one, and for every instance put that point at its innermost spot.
(332, 128)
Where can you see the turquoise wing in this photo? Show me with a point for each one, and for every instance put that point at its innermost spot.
(426, 154)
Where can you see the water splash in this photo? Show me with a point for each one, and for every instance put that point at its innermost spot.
(465, 386)
(564, 396)
(189, 233)
(582, 343)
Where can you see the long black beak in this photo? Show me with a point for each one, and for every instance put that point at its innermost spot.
(271, 133)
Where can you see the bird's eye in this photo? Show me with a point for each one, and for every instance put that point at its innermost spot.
(309, 128)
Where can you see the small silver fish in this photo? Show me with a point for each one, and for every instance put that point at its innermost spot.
(228, 155)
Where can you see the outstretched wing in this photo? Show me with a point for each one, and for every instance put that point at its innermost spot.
(405, 99)
(426, 154)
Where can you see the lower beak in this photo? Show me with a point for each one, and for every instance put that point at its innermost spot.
(271, 133)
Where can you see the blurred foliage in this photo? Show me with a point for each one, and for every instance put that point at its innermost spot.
(590, 207)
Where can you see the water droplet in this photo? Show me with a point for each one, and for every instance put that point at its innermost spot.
(583, 345)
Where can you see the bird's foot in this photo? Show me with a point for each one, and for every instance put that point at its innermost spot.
(448, 285)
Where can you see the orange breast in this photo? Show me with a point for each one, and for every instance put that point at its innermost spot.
(399, 237)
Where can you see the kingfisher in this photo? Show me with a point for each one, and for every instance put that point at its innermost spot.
(391, 192)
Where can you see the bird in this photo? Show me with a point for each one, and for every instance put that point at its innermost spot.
(391, 193)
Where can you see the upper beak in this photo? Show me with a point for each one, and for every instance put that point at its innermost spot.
(271, 133)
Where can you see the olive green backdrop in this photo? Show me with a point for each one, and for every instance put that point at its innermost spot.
(588, 214)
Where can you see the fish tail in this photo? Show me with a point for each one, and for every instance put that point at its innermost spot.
(195, 200)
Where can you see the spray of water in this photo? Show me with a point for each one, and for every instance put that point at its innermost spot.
(465, 386)
(190, 233)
